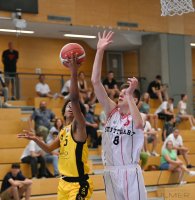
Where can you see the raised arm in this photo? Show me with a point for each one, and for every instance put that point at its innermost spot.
(79, 126)
(99, 89)
(138, 121)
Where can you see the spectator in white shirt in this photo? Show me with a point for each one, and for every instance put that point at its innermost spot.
(43, 89)
(166, 110)
(33, 155)
(177, 141)
(150, 136)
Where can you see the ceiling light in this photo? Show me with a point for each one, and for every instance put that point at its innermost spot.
(192, 44)
(80, 36)
(16, 31)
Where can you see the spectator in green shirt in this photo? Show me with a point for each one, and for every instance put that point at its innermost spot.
(170, 161)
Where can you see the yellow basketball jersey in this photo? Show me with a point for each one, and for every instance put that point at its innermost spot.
(73, 155)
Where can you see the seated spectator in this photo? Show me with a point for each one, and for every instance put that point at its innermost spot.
(110, 85)
(168, 128)
(166, 110)
(53, 156)
(144, 107)
(170, 161)
(15, 185)
(157, 90)
(150, 136)
(84, 92)
(4, 91)
(42, 117)
(66, 89)
(33, 155)
(43, 90)
(182, 111)
(91, 127)
(177, 141)
(58, 125)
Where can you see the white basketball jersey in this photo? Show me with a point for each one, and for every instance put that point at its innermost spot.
(121, 141)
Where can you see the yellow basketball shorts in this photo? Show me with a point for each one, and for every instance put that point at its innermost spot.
(75, 190)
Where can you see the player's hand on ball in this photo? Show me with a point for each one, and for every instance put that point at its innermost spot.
(71, 62)
(133, 83)
(27, 135)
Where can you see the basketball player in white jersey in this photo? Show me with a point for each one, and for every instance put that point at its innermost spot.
(123, 135)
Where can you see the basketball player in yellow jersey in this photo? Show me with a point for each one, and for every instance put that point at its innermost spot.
(74, 183)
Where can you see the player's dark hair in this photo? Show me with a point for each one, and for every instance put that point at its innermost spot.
(82, 107)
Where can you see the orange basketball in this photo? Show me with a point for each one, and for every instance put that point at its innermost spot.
(69, 49)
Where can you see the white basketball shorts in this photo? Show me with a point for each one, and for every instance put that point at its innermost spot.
(124, 183)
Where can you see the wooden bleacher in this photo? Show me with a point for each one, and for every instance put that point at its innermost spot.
(51, 102)
(184, 125)
(58, 112)
(154, 103)
(11, 155)
(188, 135)
(11, 141)
(154, 178)
(18, 103)
(10, 145)
(98, 109)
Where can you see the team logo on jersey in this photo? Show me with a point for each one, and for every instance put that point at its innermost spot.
(127, 122)
(67, 130)
(119, 131)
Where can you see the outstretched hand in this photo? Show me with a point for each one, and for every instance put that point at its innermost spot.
(133, 83)
(104, 40)
(27, 135)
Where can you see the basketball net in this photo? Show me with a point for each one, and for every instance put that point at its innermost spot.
(176, 7)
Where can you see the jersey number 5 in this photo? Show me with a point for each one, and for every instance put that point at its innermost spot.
(65, 142)
(116, 140)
